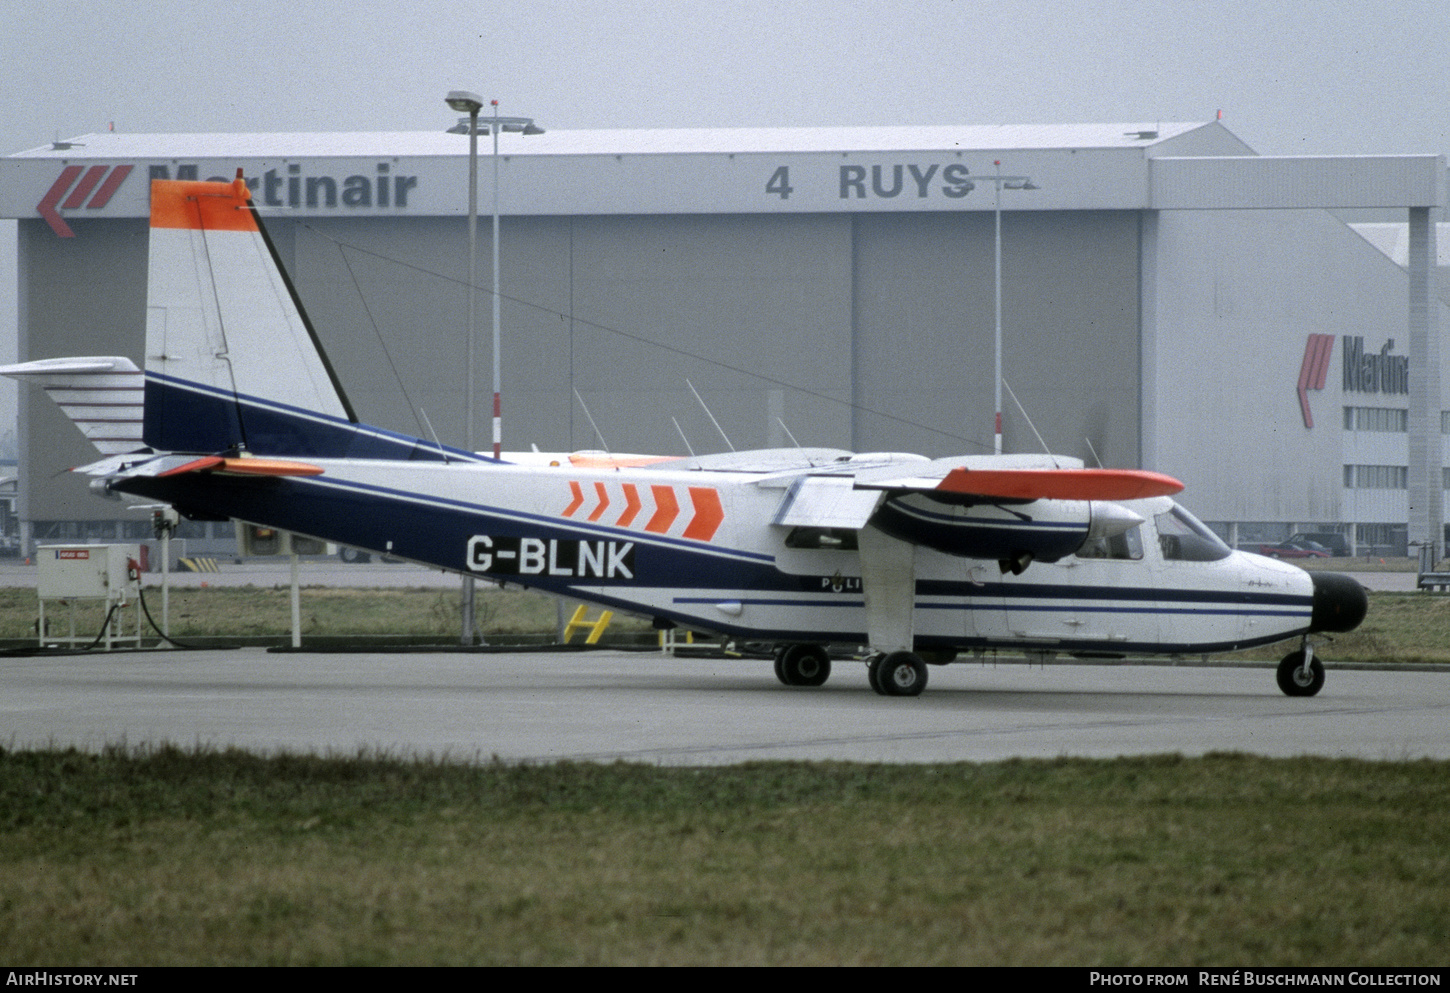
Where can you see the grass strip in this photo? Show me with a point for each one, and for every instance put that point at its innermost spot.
(252, 611)
(164, 856)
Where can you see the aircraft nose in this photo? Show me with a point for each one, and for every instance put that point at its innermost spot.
(1340, 602)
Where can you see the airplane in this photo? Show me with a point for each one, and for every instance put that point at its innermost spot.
(242, 417)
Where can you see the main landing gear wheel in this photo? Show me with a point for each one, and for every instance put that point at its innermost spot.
(802, 665)
(1295, 680)
(898, 674)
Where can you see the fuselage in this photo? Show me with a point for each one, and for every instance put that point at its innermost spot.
(697, 548)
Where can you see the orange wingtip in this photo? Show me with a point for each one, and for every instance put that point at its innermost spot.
(1060, 484)
(197, 205)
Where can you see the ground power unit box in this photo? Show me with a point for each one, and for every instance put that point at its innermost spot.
(71, 573)
(105, 572)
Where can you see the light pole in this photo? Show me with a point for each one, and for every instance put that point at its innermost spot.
(470, 103)
(464, 102)
(1012, 183)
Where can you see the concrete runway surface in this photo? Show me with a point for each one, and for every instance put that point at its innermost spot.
(644, 707)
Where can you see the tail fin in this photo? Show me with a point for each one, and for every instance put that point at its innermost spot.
(231, 361)
(101, 394)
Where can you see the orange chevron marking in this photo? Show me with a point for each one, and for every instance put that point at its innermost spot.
(706, 517)
(708, 513)
(578, 500)
(667, 508)
(632, 505)
(603, 502)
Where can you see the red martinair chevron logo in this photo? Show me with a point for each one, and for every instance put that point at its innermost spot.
(91, 185)
(1313, 371)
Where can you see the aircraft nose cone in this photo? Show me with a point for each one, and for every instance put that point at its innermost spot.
(1340, 602)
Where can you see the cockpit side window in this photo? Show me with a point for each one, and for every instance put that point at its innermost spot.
(1184, 538)
(1128, 545)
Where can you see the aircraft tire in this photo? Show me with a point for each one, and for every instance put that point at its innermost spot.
(1291, 676)
(779, 667)
(804, 665)
(901, 674)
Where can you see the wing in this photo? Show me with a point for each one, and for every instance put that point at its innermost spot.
(1017, 477)
(1015, 509)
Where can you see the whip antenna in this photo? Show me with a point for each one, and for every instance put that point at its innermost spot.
(710, 415)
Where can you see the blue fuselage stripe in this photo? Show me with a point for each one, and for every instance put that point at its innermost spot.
(977, 603)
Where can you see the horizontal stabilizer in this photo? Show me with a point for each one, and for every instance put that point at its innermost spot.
(101, 393)
(244, 467)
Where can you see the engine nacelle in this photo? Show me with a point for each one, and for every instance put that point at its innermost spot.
(1012, 533)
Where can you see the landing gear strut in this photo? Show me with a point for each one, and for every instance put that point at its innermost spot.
(1300, 673)
(802, 665)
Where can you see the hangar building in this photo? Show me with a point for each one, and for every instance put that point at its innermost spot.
(1169, 300)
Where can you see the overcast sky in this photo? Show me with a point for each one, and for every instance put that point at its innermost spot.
(1290, 76)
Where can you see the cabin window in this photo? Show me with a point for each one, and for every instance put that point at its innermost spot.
(828, 539)
(1128, 545)
(1184, 538)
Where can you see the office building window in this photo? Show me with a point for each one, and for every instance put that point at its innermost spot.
(1378, 419)
(1376, 477)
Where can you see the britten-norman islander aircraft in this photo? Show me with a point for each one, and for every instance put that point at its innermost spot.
(801, 549)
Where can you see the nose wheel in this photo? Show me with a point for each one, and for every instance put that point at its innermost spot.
(1300, 673)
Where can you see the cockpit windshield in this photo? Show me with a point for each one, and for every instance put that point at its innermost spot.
(1184, 538)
